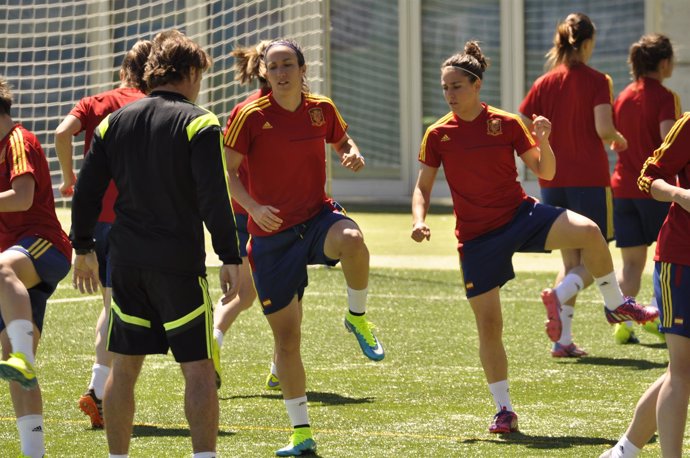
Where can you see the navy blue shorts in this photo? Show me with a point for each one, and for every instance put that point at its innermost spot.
(487, 261)
(279, 262)
(242, 234)
(153, 311)
(593, 202)
(51, 265)
(672, 291)
(638, 221)
(103, 253)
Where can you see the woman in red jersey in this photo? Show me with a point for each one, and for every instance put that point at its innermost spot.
(35, 255)
(476, 144)
(292, 222)
(248, 67)
(664, 406)
(644, 113)
(85, 117)
(577, 99)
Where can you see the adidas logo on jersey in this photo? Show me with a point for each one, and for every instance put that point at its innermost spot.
(267, 125)
(445, 138)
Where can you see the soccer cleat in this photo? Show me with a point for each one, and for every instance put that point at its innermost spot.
(93, 407)
(652, 327)
(216, 362)
(567, 351)
(362, 329)
(631, 311)
(272, 382)
(623, 334)
(553, 314)
(18, 369)
(504, 422)
(607, 454)
(301, 443)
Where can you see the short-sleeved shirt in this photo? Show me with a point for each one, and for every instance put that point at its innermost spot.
(21, 154)
(242, 171)
(567, 97)
(478, 159)
(286, 154)
(671, 160)
(638, 111)
(90, 111)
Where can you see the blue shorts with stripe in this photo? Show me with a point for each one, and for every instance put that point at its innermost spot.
(155, 311)
(638, 221)
(51, 266)
(279, 262)
(596, 203)
(242, 233)
(103, 253)
(487, 261)
(672, 291)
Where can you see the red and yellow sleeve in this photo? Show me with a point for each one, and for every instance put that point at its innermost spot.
(670, 158)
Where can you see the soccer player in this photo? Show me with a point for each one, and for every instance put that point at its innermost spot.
(248, 66)
(35, 254)
(475, 143)
(578, 99)
(85, 117)
(164, 154)
(291, 220)
(644, 113)
(664, 406)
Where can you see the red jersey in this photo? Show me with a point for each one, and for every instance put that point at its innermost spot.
(91, 111)
(478, 160)
(567, 96)
(21, 154)
(671, 160)
(242, 171)
(638, 111)
(286, 154)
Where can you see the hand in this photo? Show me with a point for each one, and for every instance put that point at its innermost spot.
(619, 144)
(85, 273)
(67, 185)
(683, 199)
(542, 128)
(353, 161)
(229, 282)
(266, 218)
(421, 231)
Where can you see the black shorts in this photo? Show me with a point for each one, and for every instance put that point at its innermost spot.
(155, 311)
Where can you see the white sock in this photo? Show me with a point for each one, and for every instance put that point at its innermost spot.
(297, 411)
(501, 394)
(31, 435)
(274, 369)
(112, 455)
(568, 287)
(566, 314)
(654, 303)
(99, 374)
(218, 334)
(204, 455)
(625, 449)
(357, 300)
(21, 335)
(610, 290)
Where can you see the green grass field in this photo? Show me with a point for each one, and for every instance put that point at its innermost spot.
(428, 398)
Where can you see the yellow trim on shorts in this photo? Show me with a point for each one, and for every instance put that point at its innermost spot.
(206, 309)
(609, 214)
(129, 319)
(39, 247)
(666, 296)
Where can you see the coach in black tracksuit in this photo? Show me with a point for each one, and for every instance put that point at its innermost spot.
(164, 154)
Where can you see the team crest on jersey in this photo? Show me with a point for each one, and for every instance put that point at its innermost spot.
(493, 127)
(316, 116)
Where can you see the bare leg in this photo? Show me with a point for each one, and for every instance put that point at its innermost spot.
(345, 241)
(634, 260)
(492, 354)
(201, 404)
(103, 356)
(672, 404)
(118, 402)
(643, 424)
(286, 326)
(225, 315)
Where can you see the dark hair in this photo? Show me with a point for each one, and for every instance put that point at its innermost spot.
(472, 61)
(172, 57)
(134, 63)
(249, 63)
(292, 44)
(646, 54)
(568, 40)
(5, 96)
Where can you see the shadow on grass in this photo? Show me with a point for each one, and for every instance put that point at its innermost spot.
(315, 397)
(639, 364)
(160, 431)
(544, 442)
(410, 278)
